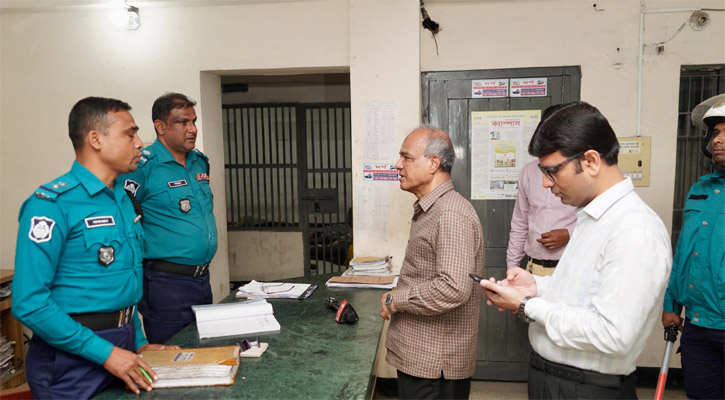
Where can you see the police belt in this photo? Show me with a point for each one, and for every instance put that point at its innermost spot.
(180, 269)
(98, 321)
(575, 374)
(545, 263)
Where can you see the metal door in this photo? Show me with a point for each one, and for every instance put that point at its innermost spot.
(503, 347)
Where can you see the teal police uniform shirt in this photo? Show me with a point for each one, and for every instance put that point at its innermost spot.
(177, 203)
(64, 263)
(698, 270)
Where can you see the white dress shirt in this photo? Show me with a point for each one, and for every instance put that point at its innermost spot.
(600, 306)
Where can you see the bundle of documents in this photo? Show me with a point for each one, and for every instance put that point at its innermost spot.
(245, 318)
(193, 367)
(7, 356)
(370, 266)
(276, 290)
(363, 282)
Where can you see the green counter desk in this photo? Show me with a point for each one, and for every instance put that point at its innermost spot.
(313, 357)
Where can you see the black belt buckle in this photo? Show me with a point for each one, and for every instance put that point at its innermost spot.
(125, 316)
(200, 270)
(99, 321)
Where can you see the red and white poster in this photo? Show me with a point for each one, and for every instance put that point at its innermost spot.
(379, 172)
(529, 87)
(489, 88)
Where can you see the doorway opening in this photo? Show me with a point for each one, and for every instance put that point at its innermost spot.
(288, 174)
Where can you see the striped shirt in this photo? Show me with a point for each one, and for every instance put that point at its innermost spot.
(435, 330)
(598, 309)
(536, 211)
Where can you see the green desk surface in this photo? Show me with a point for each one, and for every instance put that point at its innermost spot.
(313, 357)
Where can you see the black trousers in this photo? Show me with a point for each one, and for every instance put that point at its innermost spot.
(703, 361)
(546, 386)
(412, 387)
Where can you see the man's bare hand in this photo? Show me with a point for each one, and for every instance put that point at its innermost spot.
(151, 347)
(127, 366)
(521, 280)
(554, 239)
(669, 319)
(384, 312)
(505, 297)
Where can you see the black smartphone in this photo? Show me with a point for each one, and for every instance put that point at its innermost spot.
(476, 277)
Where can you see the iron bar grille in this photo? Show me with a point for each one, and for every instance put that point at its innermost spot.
(288, 167)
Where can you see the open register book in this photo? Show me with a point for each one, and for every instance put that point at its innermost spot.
(244, 318)
(207, 366)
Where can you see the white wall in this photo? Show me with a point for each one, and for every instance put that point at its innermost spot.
(267, 256)
(513, 34)
(52, 59)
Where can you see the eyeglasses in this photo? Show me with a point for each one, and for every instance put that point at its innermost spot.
(274, 288)
(550, 171)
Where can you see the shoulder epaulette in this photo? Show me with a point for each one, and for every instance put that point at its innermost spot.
(200, 154)
(206, 161)
(147, 153)
(51, 191)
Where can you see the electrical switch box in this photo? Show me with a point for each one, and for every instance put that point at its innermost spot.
(634, 158)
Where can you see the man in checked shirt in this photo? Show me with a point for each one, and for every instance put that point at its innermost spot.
(434, 310)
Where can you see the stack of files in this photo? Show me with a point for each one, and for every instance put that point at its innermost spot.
(370, 266)
(276, 290)
(363, 282)
(193, 367)
(244, 318)
(7, 355)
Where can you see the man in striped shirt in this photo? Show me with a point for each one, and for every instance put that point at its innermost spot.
(434, 310)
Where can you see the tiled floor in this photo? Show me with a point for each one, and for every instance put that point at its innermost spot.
(517, 390)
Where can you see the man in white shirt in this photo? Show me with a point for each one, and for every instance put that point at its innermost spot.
(591, 319)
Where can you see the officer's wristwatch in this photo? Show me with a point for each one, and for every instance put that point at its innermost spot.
(388, 300)
(522, 313)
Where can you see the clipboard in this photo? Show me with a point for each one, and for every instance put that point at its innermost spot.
(307, 293)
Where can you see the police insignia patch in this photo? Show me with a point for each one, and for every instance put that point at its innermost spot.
(106, 255)
(131, 185)
(41, 229)
(184, 205)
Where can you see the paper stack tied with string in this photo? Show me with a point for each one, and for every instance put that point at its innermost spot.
(370, 266)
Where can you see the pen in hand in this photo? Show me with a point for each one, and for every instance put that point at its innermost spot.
(143, 371)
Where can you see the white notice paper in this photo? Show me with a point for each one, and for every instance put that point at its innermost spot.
(499, 150)
(381, 131)
(373, 210)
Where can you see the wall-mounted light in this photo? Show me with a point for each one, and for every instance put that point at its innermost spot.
(127, 17)
(133, 19)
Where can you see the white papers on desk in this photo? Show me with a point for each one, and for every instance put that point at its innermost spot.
(272, 290)
(245, 318)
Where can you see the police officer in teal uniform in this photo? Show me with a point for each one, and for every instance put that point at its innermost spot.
(697, 282)
(78, 263)
(172, 186)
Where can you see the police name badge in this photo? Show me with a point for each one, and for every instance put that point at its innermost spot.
(41, 229)
(185, 205)
(106, 255)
